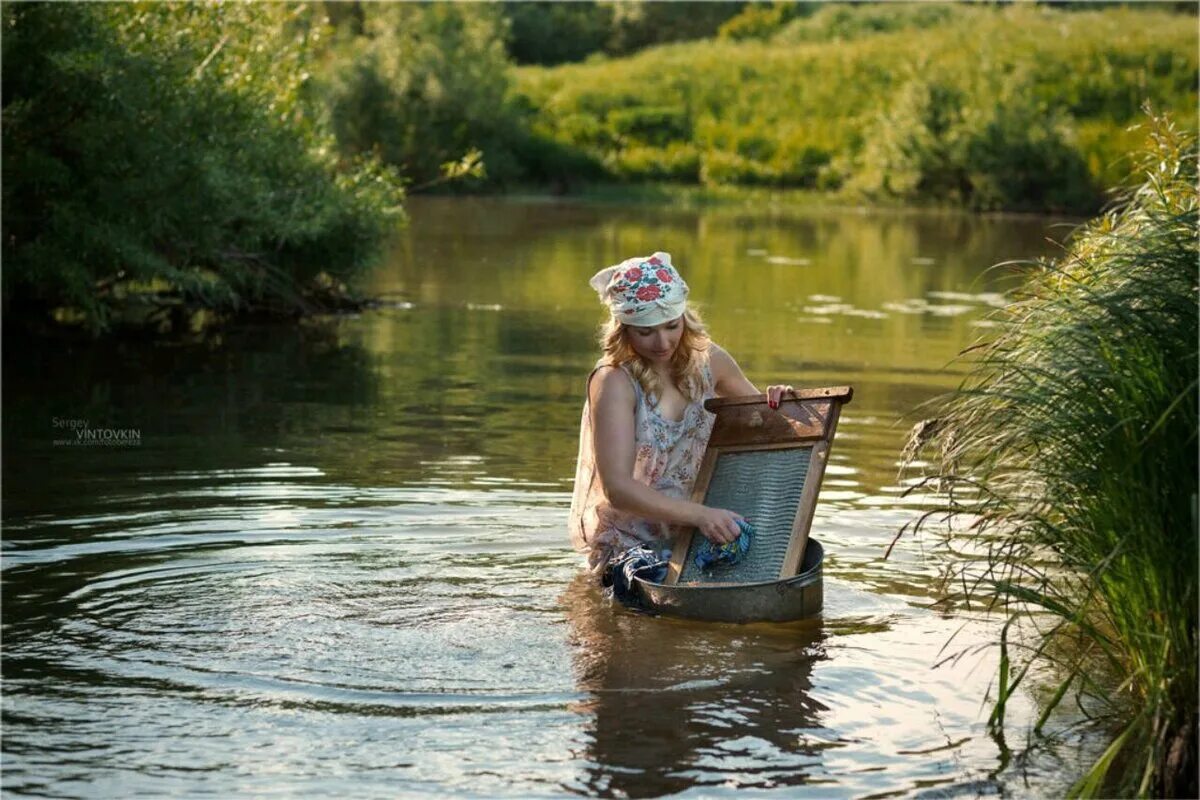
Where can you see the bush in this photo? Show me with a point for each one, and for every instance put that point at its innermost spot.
(553, 33)
(1033, 114)
(556, 32)
(718, 167)
(641, 24)
(982, 147)
(587, 130)
(175, 147)
(545, 159)
(675, 162)
(651, 126)
(424, 85)
(763, 20)
(805, 165)
(843, 21)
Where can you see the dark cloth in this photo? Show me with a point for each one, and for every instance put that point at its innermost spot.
(641, 562)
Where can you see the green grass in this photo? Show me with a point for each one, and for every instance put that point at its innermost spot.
(1071, 451)
(977, 107)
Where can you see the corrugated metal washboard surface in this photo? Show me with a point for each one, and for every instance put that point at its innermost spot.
(764, 487)
(767, 465)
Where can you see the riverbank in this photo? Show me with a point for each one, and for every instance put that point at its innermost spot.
(306, 146)
(754, 198)
(112, 217)
(1016, 108)
(1069, 454)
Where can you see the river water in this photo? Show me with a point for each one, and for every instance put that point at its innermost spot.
(330, 559)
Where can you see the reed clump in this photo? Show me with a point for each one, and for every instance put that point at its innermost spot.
(1070, 452)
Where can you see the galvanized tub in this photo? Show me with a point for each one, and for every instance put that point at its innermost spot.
(798, 597)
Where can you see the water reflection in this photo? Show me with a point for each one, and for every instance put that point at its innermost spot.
(675, 704)
(336, 565)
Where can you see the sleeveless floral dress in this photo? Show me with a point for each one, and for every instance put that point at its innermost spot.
(668, 459)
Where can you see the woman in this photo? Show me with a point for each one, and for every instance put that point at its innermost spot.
(644, 428)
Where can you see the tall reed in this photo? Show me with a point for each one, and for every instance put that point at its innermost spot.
(1070, 456)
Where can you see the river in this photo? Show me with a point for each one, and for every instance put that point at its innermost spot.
(330, 559)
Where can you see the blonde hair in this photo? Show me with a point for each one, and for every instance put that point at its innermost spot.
(687, 364)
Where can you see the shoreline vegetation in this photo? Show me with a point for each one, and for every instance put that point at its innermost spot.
(1069, 459)
(171, 166)
(758, 199)
(166, 165)
(1018, 108)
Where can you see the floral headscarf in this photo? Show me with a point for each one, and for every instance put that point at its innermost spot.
(642, 291)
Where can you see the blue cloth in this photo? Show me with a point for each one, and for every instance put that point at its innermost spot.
(641, 562)
(725, 555)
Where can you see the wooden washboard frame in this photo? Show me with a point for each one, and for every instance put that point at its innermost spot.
(804, 425)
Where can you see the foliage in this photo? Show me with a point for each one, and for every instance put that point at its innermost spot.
(172, 152)
(556, 32)
(1072, 451)
(645, 23)
(423, 85)
(1036, 109)
(938, 141)
(653, 126)
(675, 162)
(838, 21)
(763, 20)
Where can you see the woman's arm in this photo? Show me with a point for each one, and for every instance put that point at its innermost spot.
(728, 378)
(612, 401)
(730, 381)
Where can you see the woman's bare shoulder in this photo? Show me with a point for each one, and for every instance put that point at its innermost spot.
(719, 359)
(610, 384)
(727, 374)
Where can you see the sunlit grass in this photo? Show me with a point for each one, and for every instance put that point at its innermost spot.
(978, 107)
(1079, 425)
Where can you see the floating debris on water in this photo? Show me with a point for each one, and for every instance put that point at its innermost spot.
(844, 309)
(987, 298)
(920, 306)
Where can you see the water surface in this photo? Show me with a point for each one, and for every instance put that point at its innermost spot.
(337, 563)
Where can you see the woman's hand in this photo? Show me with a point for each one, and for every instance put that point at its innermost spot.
(718, 525)
(775, 394)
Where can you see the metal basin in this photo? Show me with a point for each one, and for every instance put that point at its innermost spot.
(793, 598)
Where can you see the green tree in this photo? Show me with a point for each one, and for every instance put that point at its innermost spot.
(642, 24)
(554, 33)
(423, 86)
(989, 145)
(172, 153)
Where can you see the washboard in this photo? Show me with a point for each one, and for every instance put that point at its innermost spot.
(767, 465)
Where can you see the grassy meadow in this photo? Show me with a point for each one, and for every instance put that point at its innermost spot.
(1015, 107)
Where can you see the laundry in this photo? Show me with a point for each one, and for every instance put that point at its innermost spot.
(641, 562)
(710, 555)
